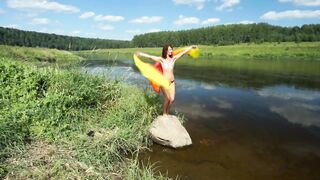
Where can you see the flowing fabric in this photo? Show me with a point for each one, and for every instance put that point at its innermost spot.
(151, 73)
(154, 72)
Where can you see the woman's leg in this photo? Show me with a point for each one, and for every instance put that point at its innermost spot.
(165, 106)
(171, 96)
(165, 101)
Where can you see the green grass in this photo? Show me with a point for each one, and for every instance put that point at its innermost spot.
(38, 56)
(266, 51)
(66, 124)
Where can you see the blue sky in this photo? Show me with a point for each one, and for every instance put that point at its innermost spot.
(119, 19)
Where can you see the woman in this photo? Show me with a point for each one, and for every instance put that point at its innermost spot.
(167, 61)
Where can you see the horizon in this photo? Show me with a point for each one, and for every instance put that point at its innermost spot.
(124, 20)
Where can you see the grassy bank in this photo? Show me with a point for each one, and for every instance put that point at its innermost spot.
(266, 51)
(65, 124)
(38, 56)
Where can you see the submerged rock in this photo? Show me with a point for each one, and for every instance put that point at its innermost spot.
(168, 131)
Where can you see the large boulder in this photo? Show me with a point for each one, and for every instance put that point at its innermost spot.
(167, 130)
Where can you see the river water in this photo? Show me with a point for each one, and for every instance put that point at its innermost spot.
(244, 124)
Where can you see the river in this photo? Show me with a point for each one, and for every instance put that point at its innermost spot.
(244, 124)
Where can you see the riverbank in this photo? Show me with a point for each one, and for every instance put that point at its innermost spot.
(38, 55)
(66, 124)
(278, 58)
(287, 51)
(250, 51)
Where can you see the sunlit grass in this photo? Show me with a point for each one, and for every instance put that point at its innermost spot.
(67, 124)
(38, 55)
(267, 51)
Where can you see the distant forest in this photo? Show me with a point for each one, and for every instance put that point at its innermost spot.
(214, 35)
(15, 37)
(230, 34)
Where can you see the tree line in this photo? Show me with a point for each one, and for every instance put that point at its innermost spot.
(230, 34)
(15, 37)
(214, 35)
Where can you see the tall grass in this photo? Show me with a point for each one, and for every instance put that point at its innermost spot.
(66, 124)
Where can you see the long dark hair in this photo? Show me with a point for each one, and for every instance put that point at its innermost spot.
(165, 51)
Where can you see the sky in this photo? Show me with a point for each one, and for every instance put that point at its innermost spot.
(123, 19)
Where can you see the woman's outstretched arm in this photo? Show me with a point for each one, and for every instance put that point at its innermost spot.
(155, 58)
(184, 52)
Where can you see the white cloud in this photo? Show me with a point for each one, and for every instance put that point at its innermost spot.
(106, 27)
(38, 21)
(302, 2)
(227, 4)
(41, 5)
(246, 22)
(199, 4)
(11, 26)
(211, 21)
(109, 18)
(147, 20)
(186, 20)
(86, 15)
(2, 11)
(292, 14)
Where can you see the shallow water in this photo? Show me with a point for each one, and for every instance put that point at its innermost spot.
(243, 124)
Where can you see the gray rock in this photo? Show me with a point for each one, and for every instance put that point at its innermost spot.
(168, 131)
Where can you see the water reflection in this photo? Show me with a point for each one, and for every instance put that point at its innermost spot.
(295, 105)
(222, 103)
(287, 93)
(245, 78)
